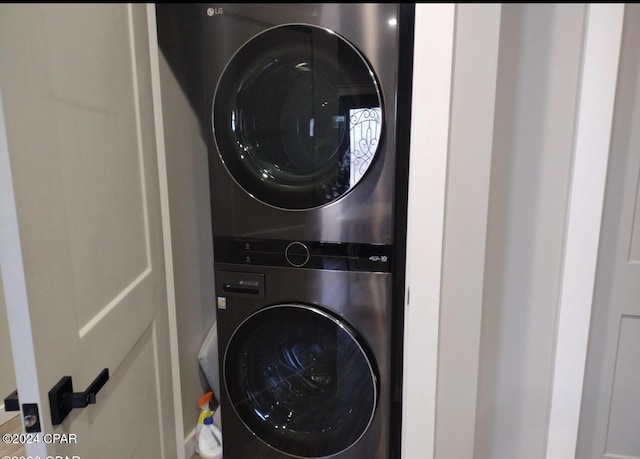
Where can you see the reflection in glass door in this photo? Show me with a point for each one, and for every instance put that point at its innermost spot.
(365, 125)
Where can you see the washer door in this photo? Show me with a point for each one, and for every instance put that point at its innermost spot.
(297, 117)
(300, 380)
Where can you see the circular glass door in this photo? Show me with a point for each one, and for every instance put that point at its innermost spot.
(297, 117)
(300, 380)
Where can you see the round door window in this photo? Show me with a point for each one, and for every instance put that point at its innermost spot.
(297, 117)
(299, 379)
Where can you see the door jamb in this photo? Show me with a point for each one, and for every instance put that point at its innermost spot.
(15, 288)
(433, 70)
(603, 30)
(181, 443)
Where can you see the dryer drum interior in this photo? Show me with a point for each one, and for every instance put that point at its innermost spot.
(297, 116)
(300, 379)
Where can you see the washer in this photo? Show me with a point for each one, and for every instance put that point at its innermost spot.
(305, 368)
(308, 132)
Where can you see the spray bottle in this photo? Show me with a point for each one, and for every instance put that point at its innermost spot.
(205, 412)
(210, 440)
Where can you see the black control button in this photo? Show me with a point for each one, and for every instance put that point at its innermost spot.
(297, 254)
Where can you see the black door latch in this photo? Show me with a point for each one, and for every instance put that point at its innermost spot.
(62, 399)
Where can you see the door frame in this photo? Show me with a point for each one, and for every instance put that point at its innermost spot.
(183, 444)
(15, 285)
(432, 76)
(594, 118)
(594, 115)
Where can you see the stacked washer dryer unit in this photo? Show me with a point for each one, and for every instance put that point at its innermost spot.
(304, 159)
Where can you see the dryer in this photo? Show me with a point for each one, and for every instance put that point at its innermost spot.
(307, 126)
(303, 122)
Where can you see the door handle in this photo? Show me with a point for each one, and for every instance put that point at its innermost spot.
(11, 402)
(62, 399)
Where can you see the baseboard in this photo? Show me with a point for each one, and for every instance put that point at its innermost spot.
(190, 445)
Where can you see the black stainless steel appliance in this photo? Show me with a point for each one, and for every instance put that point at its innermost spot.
(307, 128)
(303, 108)
(305, 368)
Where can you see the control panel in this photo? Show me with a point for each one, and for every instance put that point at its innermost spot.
(340, 256)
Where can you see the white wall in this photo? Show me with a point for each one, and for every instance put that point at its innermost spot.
(538, 82)
(188, 182)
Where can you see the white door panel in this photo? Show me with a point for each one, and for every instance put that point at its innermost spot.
(80, 129)
(610, 416)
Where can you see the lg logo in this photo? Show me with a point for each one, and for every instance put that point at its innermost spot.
(214, 11)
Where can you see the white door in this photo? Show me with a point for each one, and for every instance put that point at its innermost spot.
(82, 263)
(610, 415)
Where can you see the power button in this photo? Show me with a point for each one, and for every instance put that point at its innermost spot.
(297, 254)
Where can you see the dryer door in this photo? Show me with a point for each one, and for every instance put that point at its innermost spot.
(297, 117)
(300, 380)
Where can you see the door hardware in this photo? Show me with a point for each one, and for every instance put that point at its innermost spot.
(11, 402)
(62, 399)
(31, 418)
(30, 413)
